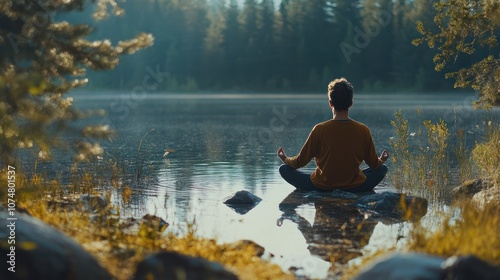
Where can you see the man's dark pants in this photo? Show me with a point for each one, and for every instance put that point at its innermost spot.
(302, 181)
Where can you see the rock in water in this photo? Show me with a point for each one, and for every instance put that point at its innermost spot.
(392, 206)
(174, 266)
(242, 201)
(242, 198)
(42, 252)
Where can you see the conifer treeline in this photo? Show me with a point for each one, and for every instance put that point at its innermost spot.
(297, 45)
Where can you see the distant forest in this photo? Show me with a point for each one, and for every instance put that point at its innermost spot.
(264, 46)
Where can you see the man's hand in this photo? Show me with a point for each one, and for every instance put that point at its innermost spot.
(384, 156)
(281, 154)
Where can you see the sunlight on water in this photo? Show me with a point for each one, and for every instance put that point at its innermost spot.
(226, 143)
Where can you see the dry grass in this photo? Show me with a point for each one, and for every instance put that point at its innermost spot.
(464, 229)
(487, 154)
(476, 232)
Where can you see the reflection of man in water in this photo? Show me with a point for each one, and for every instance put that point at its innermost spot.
(339, 232)
(338, 147)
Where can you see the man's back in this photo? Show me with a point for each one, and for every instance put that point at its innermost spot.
(338, 147)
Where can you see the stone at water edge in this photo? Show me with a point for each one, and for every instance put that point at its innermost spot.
(93, 202)
(487, 197)
(43, 252)
(242, 201)
(148, 220)
(469, 188)
(175, 266)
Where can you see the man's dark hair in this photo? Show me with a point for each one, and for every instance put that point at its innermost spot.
(340, 92)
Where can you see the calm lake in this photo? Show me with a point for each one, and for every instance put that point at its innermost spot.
(226, 143)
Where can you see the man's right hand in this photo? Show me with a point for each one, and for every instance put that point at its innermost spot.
(281, 154)
(384, 156)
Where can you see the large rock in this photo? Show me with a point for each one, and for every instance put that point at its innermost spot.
(42, 252)
(470, 188)
(174, 266)
(242, 201)
(483, 192)
(487, 197)
(404, 266)
(470, 267)
(426, 267)
(387, 205)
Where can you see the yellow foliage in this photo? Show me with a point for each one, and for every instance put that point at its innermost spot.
(474, 232)
(487, 155)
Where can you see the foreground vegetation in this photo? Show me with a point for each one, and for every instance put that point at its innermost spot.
(119, 249)
(422, 167)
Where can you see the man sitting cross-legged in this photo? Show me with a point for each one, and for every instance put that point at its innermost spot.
(338, 147)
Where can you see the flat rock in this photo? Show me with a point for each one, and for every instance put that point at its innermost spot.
(388, 205)
(426, 267)
(43, 252)
(175, 266)
(242, 201)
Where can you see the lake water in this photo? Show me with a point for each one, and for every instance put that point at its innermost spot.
(226, 143)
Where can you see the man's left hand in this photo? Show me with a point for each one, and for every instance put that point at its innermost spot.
(384, 156)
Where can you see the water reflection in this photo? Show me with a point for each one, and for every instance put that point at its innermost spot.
(337, 233)
(219, 150)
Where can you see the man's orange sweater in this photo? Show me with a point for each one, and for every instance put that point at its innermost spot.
(338, 147)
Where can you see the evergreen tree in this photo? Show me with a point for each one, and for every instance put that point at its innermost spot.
(466, 26)
(231, 46)
(42, 60)
(376, 26)
(347, 23)
(250, 52)
(265, 38)
(213, 61)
